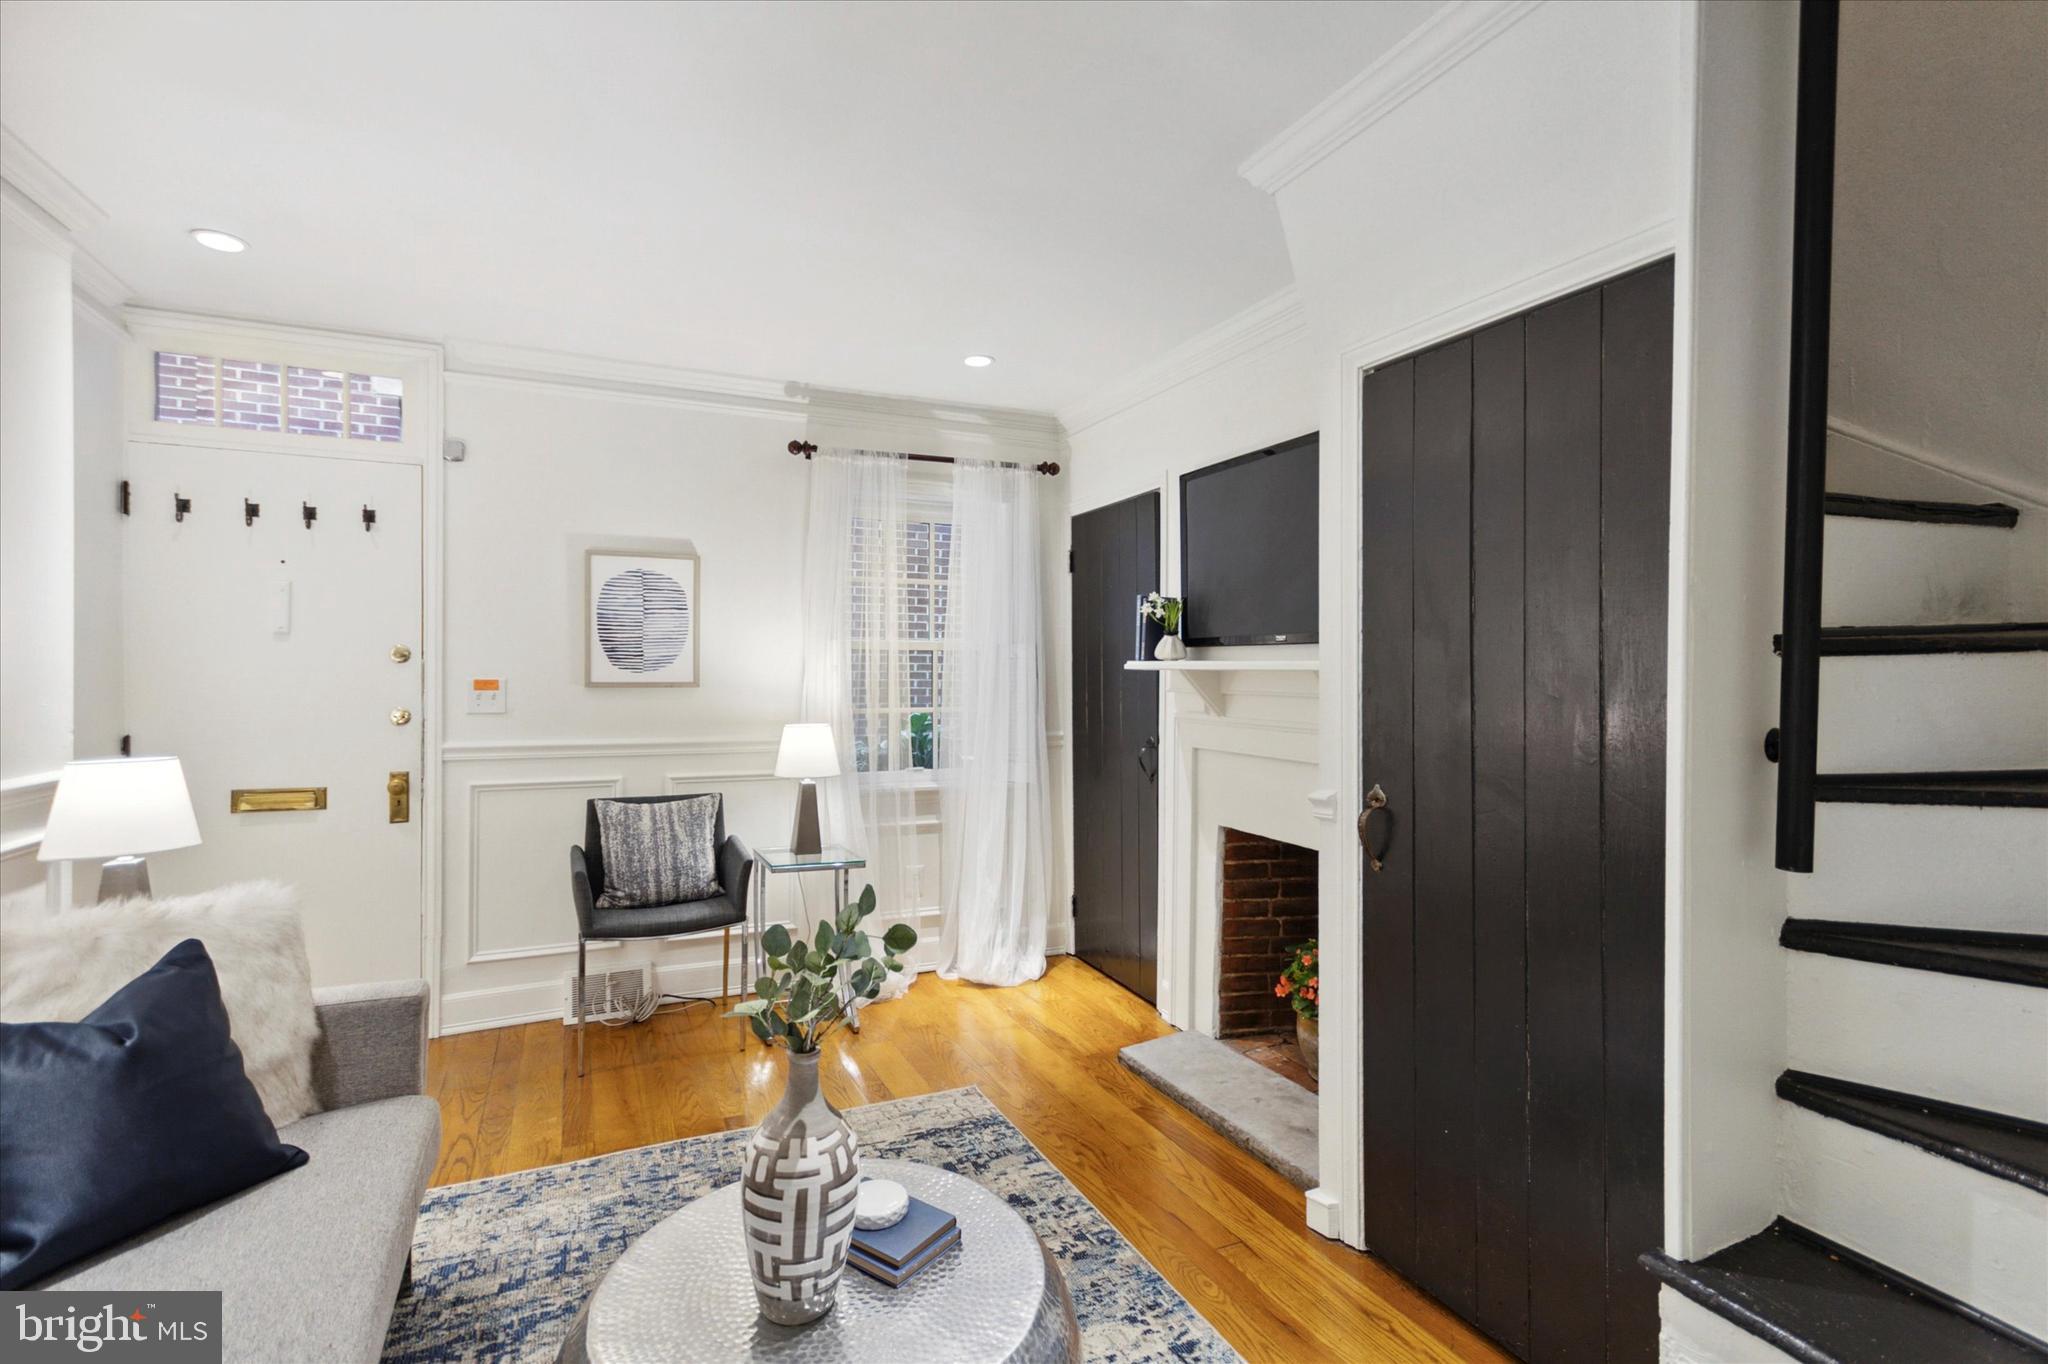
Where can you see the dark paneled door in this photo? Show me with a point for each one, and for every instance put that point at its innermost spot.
(1515, 534)
(1116, 746)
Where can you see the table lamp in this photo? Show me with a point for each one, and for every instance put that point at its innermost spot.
(119, 809)
(808, 752)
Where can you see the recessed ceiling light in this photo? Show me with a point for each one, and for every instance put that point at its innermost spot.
(980, 361)
(218, 241)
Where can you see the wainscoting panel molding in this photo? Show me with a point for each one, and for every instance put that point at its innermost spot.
(514, 864)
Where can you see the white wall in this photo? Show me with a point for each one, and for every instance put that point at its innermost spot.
(97, 350)
(35, 528)
(554, 468)
(1504, 155)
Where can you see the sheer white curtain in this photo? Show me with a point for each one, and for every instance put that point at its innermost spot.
(853, 590)
(995, 811)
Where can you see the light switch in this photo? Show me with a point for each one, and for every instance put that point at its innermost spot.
(486, 696)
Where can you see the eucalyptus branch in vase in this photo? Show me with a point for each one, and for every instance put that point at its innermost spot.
(811, 986)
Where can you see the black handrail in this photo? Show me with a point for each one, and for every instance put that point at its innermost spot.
(1806, 455)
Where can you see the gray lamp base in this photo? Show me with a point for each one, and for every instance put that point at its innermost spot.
(124, 878)
(803, 837)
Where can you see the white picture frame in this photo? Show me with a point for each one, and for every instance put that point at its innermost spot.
(641, 618)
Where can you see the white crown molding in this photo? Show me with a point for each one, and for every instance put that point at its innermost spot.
(514, 750)
(911, 421)
(597, 374)
(98, 286)
(45, 186)
(1268, 322)
(145, 320)
(1447, 38)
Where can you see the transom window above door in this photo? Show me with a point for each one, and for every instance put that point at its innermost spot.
(258, 395)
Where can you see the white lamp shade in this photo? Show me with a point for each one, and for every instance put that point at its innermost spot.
(115, 807)
(807, 751)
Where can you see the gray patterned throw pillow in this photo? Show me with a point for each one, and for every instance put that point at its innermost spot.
(658, 853)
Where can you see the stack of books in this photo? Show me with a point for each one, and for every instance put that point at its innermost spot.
(897, 1254)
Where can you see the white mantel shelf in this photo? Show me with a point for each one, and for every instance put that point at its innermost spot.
(1200, 672)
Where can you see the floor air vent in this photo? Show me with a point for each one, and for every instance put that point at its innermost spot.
(615, 995)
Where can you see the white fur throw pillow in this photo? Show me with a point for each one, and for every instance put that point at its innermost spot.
(57, 967)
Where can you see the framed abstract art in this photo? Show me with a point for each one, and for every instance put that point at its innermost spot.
(641, 613)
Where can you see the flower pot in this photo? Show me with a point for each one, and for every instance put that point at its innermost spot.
(1169, 649)
(801, 1177)
(1305, 1038)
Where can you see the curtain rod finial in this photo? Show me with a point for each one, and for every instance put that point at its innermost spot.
(802, 447)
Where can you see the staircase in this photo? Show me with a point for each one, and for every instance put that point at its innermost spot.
(1913, 1116)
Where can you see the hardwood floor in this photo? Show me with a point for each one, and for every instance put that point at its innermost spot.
(1224, 1229)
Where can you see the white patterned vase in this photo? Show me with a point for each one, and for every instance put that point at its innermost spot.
(801, 1180)
(1169, 649)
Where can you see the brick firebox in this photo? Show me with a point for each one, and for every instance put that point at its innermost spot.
(1269, 908)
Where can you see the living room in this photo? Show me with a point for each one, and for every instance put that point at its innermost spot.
(1078, 681)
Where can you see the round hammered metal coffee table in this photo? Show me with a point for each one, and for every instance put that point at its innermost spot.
(683, 1293)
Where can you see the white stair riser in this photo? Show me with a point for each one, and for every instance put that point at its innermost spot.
(1913, 573)
(1692, 1335)
(1981, 1239)
(1978, 1042)
(1937, 866)
(1933, 712)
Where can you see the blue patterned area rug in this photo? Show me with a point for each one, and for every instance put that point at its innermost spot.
(501, 1265)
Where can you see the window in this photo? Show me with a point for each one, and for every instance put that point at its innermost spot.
(898, 658)
(257, 395)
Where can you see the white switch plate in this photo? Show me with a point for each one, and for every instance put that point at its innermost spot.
(281, 607)
(486, 696)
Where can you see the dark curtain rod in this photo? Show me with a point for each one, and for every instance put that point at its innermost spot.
(806, 450)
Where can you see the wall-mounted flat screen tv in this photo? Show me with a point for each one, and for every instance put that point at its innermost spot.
(1248, 561)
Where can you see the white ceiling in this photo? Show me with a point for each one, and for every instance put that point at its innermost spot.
(851, 195)
(1940, 318)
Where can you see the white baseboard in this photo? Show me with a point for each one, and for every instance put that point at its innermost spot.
(1324, 1214)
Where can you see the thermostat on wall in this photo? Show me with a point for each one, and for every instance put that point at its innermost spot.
(486, 696)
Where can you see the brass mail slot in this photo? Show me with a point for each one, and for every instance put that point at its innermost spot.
(254, 800)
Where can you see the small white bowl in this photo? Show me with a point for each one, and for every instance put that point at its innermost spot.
(880, 1203)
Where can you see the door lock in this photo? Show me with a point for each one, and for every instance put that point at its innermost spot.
(401, 716)
(399, 789)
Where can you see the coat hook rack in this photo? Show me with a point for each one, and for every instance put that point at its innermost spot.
(309, 514)
(180, 504)
(126, 498)
(250, 511)
(369, 517)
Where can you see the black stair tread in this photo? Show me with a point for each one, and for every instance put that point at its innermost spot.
(1999, 1144)
(1823, 1303)
(1840, 641)
(1912, 509)
(2007, 786)
(2017, 958)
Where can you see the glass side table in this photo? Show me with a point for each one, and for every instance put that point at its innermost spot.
(779, 861)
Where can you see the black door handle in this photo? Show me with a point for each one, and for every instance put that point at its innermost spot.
(1148, 760)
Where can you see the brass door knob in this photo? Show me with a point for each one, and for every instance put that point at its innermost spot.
(400, 654)
(401, 716)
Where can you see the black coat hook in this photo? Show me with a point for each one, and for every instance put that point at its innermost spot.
(180, 504)
(369, 517)
(250, 511)
(309, 514)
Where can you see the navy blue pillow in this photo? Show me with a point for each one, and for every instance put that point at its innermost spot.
(109, 1126)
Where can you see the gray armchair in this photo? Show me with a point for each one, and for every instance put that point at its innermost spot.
(597, 923)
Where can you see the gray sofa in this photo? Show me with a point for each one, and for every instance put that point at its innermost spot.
(310, 1263)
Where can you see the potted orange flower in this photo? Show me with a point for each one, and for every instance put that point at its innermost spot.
(1299, 985)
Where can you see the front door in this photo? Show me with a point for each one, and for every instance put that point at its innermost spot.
(1116, 746)
(1516, 487)
(266, 652)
